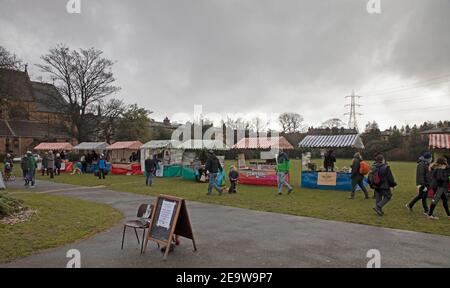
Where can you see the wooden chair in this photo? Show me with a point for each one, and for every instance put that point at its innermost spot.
(138, 224)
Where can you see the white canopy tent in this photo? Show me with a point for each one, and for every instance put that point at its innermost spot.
(165, 146)
(91, 146)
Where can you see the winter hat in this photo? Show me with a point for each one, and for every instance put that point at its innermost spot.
(427, 155)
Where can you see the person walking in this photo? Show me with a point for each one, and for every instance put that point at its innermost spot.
(31, 169)
(357, 177)
(101, 167)
(8, 162)
(283, 165)
(328, 161)
(439, 183)
(150, 168)
(233, 176)
(213, 167)
(44, 168)
(423, 179)
(24, 167)
(51, 163)
(83, 163)
(58, 162)
(382, 181)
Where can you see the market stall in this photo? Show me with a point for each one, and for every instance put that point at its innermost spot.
(121, 156)
(169, 156)
(56, 147)
(440, 145)
(262, 171)
(91, 151)
(314, 178)
(191, 167)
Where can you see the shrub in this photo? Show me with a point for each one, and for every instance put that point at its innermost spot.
(9, 205)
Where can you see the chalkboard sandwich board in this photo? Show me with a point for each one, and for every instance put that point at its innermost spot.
(169, 218)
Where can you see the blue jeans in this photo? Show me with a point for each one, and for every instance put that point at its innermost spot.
(31, 176)
(213, 183)
(282, 181)
(149, 179)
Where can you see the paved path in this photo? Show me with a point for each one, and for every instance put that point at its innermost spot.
(234, 237)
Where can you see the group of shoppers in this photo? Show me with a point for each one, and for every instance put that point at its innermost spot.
(51, 164)
(429, 176)
(434, 177)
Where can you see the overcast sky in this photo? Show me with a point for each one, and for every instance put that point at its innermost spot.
(255, 56)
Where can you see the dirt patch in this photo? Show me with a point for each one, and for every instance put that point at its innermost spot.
(20, 217)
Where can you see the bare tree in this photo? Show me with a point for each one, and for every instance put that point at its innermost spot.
(333, 123)
(238, 123)
(290, 122)
(9, 60)
(84, 77)
(110, 113)
(259, 125)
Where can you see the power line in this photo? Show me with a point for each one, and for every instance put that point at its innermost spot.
(423, 83)
(427, 109)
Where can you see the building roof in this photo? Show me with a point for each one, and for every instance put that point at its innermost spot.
(125, 145)
(263, 143)
(158, 144)
(442, 130)
(47, 98)
(439, 141)
(31, 129)
(44, 146)
(15, 85)
(91, 146)
(332, 141)
(199, 144)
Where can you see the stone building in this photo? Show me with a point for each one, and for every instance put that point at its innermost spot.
(30, 113)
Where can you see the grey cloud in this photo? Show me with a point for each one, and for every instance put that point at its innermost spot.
(245, 56)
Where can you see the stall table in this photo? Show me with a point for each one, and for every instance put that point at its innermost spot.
(328, 180)
(260, 172)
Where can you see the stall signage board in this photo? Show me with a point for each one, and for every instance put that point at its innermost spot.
(327, 178)
(169, 218)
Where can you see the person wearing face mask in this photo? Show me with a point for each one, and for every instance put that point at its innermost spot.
(423, 179)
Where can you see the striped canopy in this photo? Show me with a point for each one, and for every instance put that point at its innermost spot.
(439, 141)
(263, 143)
(125, 145)
(47, 146)
(332, 141)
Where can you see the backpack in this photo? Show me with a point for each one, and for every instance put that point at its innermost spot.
(375, 177)
(364, 168)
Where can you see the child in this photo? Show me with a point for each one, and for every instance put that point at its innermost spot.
(77, 169)
(233, 176)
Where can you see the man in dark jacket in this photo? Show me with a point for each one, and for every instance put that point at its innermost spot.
(439, 179)
(382, 180)
(150, 168)
(213, 167)
(44, 164)
(357, 178)
(24, 166)
(422, 182)
(328, 161)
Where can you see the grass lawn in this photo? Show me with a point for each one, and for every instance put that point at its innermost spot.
(59, 220)
(331, 205)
